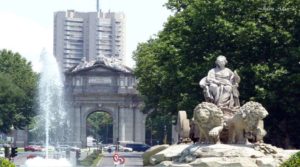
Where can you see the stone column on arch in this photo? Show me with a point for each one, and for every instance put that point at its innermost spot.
(130, 128)
(121, 123)
(126, 126)
(115, 118)
(83, 114)
(77, 125)
(140, 125)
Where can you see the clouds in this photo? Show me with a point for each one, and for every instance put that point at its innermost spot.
(25, 36)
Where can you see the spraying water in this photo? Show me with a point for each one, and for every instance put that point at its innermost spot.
(52, 111)
(40, 162)
(51, 99)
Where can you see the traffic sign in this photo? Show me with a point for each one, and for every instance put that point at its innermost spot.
(122, 160)
(118, 159)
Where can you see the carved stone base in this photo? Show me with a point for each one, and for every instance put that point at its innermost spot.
(219, 155)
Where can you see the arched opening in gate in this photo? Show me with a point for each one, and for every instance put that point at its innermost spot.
(99, 126)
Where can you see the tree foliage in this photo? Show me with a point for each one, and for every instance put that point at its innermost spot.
(261, 40)
(99, 125)
(17, 89)
(158, 128)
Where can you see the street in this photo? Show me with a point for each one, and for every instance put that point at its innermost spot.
(132, 159)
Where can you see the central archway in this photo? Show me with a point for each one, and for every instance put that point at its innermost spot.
(99, 126)
(107, 89)
(112, 131)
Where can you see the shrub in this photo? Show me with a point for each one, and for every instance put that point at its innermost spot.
(6, 163)
(293, 161)
(91, 159)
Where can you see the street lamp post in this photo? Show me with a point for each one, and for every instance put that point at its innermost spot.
(165, 134)
(106, 133)
(151, 132)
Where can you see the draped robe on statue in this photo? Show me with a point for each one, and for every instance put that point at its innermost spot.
(220, 87)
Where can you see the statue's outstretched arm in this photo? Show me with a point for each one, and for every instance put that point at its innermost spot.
(237, 78)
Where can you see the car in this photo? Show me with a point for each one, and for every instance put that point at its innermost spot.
(33, 148)
(63, 148)
(34, 155)
(125, 149)
(111, 148)
(75, 149)
(50, 148)
(140, 147)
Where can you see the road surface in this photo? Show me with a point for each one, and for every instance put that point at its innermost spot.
(132, 159)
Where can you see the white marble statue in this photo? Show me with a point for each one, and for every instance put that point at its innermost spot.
(247, 124)
(220, 85)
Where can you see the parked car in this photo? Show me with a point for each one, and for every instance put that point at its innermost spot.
(33, 155)
(125, 149)
(63, 148)
(50, 148)
(137, 146)
(111, 148)
(76, 149)
(33, 148)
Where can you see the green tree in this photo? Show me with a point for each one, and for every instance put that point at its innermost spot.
(158, 128)
(10, 95)
(17, 90)
(261, 39)
(99, 125)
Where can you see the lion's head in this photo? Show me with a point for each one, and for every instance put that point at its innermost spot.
(208, 115)
(252, 112)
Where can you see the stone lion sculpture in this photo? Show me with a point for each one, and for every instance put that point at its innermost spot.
(247, 124)
(209, 120)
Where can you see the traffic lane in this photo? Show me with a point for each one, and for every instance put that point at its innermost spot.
(132, 159)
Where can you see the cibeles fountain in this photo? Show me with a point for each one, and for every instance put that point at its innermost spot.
(221, 132)
(52, 120)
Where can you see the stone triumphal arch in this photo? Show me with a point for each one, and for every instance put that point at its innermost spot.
(104, 86)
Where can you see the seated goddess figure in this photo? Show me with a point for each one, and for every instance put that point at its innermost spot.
(220, 85)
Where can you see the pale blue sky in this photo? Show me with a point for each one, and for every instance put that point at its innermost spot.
(27, 25)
